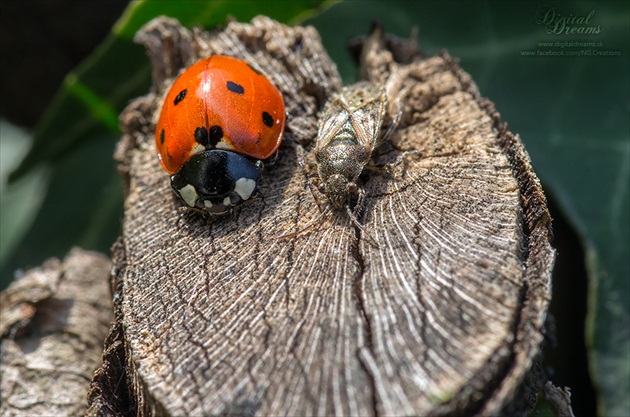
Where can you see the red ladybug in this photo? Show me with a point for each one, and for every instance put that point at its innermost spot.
(219, 120)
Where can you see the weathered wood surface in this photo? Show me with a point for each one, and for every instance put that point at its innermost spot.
(445, 315)
(53, 323)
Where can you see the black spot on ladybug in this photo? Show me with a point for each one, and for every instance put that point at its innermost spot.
(254, 69)
(235, 88)
(267, 119)
(216, 134)
(209, 138)
(180, 96)
(201, 136)
(162, 137)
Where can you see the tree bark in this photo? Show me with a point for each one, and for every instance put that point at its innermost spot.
(54, 319)
(442, 315)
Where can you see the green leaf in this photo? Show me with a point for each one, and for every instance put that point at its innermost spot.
(211, 13)
(82, 207)
(21, 200)
(572, 114)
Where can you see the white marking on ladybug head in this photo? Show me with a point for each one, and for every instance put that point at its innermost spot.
(223, 145)
(197, 149)
(189, 195)
(244, 187)
(207, 203)
(227, 202)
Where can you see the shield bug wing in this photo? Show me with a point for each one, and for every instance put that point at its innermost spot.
(366, 104)
(334, 117)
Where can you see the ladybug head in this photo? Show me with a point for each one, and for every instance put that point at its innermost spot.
(215, 181)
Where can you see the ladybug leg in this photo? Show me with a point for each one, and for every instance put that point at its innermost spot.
(271, 161)
(256, 196)
(185, 211)
(389, 167)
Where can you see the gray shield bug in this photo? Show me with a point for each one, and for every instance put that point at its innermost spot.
(349, 131)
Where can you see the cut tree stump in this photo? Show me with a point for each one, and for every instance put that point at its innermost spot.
(442, 315)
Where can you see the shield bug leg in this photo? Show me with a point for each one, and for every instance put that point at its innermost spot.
(389, 167)
(354, 216)
(312, 181)
(389, 131)
(315, 183)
